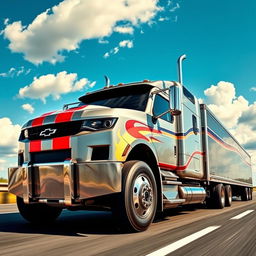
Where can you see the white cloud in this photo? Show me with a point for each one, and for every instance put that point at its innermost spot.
(249, 116)
(163, 19)
(102, 41)
(12, 72)
(91, 85)
(9, 137)
(174, 8)
(53, 85)
(115, 50)
(6, 21)
(253, 89)
(29, 108)
(222, 100)
(65, 26)
(124, 29)
(106, 55)
(126, 43)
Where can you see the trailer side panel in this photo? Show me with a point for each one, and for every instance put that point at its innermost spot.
(226, 160)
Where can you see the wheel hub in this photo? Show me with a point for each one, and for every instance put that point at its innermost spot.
(142, 196)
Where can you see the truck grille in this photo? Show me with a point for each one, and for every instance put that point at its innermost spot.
(50, 156)
(52, 131)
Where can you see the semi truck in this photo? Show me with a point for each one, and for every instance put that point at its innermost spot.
(136, 149)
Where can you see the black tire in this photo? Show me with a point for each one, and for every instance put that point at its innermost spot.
(135, 207)
(38, 213)
(249, 194)
(219, 196)
(228, 195)
(244, 194)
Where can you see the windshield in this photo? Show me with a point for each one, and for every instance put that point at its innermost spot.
(130, 97)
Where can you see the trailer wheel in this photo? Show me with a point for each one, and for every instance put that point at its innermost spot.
(228, 195)
(135, 207)
(245, 194)
(219, 196)
(250, 193)
(38, 213)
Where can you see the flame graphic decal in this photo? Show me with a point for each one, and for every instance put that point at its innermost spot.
(140, 132)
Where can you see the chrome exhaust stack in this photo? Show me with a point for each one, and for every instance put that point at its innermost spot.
(107, 81)
(180, 60)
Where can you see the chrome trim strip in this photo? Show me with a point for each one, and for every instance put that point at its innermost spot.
(68, 170)
(26, 181)
(216, 178)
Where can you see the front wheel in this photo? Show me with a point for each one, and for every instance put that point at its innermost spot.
(38, 213)
(135, 206)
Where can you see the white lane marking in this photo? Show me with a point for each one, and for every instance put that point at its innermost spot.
(182, 242)
(241, 215)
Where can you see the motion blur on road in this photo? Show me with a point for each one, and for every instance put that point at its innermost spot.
(184, 231)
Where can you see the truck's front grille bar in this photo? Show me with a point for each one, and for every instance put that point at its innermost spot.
(52, 130)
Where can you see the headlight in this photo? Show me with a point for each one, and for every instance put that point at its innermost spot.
(26, 133)
(98, 124)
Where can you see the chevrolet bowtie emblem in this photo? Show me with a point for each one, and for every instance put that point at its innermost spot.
(47, 132)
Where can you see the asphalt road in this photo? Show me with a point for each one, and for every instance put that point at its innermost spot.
(186, 231)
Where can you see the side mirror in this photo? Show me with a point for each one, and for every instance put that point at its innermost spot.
(175, 94)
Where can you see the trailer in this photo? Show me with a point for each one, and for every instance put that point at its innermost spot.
(234, 169)
(135, 149)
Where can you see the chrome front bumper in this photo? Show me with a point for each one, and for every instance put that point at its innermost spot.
(65, 182)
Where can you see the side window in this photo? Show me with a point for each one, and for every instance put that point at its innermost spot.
(160, 106)
(195, 127)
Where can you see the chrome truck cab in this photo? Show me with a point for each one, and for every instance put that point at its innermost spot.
(69, 156)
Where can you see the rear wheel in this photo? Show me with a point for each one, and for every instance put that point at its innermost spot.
(38, 213)
(245, 194)
(251, 191)
(219, 196)
(135, 206)
(228, 195)
(249, 194)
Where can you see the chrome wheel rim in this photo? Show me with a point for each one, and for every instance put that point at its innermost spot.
(143, 196)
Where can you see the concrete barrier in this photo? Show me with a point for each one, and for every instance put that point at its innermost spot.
(7, 198)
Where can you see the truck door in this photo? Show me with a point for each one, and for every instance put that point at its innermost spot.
(190, 146)
(165, 143)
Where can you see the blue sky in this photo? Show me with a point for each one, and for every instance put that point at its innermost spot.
(142, 43)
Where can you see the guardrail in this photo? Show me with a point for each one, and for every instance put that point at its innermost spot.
(3, 187)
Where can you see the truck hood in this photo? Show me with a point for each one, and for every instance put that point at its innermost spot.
(72, 114)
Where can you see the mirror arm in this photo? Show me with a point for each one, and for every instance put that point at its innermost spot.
(156, 117)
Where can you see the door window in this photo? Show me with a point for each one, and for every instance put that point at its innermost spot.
(160, 106)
